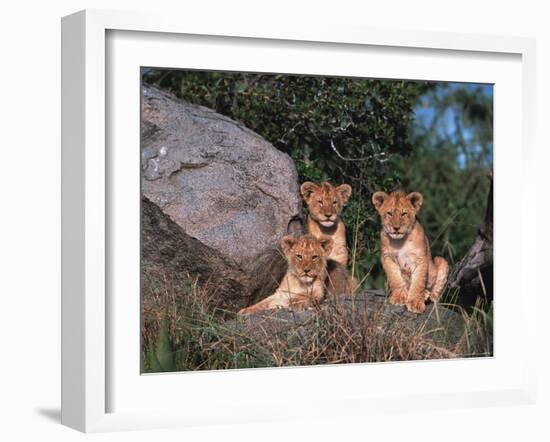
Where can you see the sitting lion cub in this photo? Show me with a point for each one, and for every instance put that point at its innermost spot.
(406, 258)
(303, 285)
(325, 202)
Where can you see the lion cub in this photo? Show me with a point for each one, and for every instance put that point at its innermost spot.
(303, 285)
(412, 275)
(325, 202)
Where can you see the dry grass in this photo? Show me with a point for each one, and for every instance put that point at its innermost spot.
(182, 329)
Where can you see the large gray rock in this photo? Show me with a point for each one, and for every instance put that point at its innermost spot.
(217, 193)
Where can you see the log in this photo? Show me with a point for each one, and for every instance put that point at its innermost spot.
(473, 276)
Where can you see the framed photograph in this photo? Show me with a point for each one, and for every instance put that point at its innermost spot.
(259, 224)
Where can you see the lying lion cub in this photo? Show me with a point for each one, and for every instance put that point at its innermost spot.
(307, 276)
(406, 258)
(325, 202)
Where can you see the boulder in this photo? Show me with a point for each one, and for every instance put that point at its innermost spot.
(215, 194)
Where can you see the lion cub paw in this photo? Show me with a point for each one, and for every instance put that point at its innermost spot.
(246, 311)
(399, 296)
(416, 305)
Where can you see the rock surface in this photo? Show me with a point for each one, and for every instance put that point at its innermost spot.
(167, 250)
(216, 192)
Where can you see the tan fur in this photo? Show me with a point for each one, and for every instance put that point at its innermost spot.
(325, 203)
(339, 280)
(412, 275)
(303, 284)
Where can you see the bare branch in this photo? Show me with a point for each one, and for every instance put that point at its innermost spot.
(382, 154)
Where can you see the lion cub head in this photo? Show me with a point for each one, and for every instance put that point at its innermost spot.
(324, 201)
(397, 212)
(306, 255)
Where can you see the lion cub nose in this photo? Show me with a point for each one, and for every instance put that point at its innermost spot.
(396, 229)
(328, 215)
(306, 271)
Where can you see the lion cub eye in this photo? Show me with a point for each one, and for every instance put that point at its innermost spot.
(320, 202)
(298, 257)
(389, 214)
(334, 203)
(314, 258)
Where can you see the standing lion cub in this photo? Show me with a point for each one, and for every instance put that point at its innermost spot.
(412, 275)
(325, 202)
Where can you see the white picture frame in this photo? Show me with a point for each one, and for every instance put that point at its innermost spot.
(87, 220)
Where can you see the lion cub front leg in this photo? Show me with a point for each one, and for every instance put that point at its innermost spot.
(279, 299)
(417, 292)
(398, 287)
(441, 271)
(340, 254)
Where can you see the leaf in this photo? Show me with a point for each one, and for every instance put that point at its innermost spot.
(164, 352)
(152, 360)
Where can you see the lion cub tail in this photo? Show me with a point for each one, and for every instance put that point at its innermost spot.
(339, 280)
(266, 271)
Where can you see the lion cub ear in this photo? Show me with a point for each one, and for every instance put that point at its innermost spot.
(287, 242)
(344, 190)
(326, 244)
(307, 188)
(416, 200)
(378, 199)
